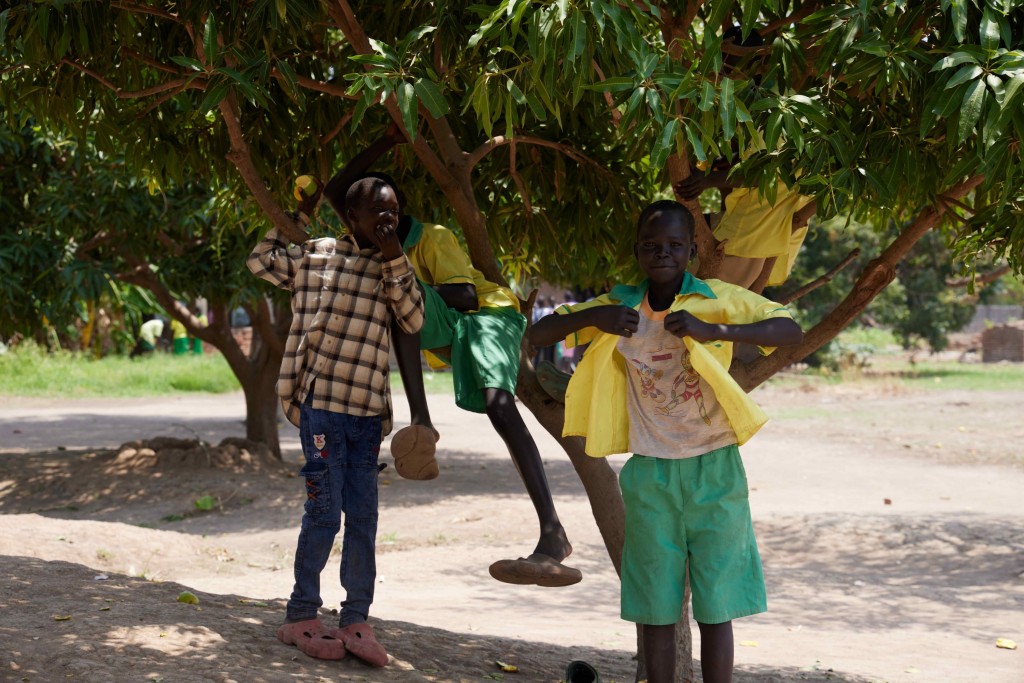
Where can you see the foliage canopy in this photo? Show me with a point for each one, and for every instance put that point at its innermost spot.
(564, 114)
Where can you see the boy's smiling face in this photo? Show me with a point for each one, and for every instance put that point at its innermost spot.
(664, 246)
(378, 209)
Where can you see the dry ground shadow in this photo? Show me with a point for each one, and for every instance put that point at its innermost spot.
(57, 622)
(93, 484)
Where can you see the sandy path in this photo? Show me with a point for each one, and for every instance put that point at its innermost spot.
(914, 590)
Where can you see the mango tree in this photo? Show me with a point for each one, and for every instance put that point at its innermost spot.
(538, 128)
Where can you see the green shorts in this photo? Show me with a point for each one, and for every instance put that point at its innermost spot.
(484, 347)
(692, 509)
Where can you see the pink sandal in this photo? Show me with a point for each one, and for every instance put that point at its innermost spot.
(312, 639)
(360, 641)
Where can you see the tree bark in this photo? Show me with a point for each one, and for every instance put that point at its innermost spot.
(261, 404)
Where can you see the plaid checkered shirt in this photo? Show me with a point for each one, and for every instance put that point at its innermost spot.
(343, 300)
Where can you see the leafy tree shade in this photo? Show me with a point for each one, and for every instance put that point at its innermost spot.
(82, 228)
(545, 125)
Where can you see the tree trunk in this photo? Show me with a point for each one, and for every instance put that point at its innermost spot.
(261, 405)
(598, 478)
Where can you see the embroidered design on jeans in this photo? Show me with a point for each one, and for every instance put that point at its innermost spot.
(319, 441)
(311, 489)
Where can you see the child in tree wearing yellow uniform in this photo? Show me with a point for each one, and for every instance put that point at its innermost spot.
(655, 381)
(475, 325)
(754, 229)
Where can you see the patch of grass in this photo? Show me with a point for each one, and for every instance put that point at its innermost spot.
(881, 339)
(31, 371)
(963, 376)
(433, 383)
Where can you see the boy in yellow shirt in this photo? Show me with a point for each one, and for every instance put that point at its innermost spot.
(655, 381)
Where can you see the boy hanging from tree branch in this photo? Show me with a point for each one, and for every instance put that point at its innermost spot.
(475, 326)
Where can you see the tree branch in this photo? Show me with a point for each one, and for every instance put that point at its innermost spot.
(806, 10)
(983, 279)
(241, 157)
(144, 9)
(875, 277)
(484, 149)
(156, 64)
(452, 174)
(514, 172)
(266, 330)
(136, 94)
(317, 86)
(334, 132)
(142, 274)
(819, 281)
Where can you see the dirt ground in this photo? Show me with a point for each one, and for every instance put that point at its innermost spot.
(889, 523)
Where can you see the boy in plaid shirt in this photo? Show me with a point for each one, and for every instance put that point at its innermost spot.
(334, 386)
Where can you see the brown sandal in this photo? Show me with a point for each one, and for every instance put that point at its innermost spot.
(413, 448)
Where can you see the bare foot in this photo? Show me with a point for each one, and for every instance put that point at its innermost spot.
(554, 543)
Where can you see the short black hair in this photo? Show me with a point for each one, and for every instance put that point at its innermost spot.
(390, 181)
(666, 206)
(364, 189)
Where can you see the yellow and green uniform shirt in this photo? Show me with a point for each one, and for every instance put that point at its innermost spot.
(595, 401)
(438, 259)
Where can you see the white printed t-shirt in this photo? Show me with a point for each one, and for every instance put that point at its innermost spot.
(673, 412)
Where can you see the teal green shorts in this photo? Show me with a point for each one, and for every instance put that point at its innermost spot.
(484, 347)
(692, 509)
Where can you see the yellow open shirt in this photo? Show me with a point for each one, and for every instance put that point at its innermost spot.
(595, 401)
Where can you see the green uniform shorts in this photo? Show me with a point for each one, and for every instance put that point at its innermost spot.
(484, 347)
(692, 509)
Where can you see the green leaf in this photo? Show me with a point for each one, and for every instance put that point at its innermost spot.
(414, 35)
(210, 39)
(727, 107)
(360, 109)
(407, 104)
(695, 144)
(1011, 89)
(959, 15)
(514, 90)
(663, 145)
(213, 97)
(707, 97)
(375, 59)
(282, 8)
(613, 84)
(385, 50)
(772, 130)
(187, 62)
(537, 107)
(1005, 31)
(974, 98)
(431, 97)
(953, 60)
(988, 30)
(579, 35)
(965, 73)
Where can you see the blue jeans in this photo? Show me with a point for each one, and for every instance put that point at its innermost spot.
(341, 477)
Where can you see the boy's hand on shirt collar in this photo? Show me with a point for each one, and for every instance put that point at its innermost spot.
(684, 324)
(620, 320)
